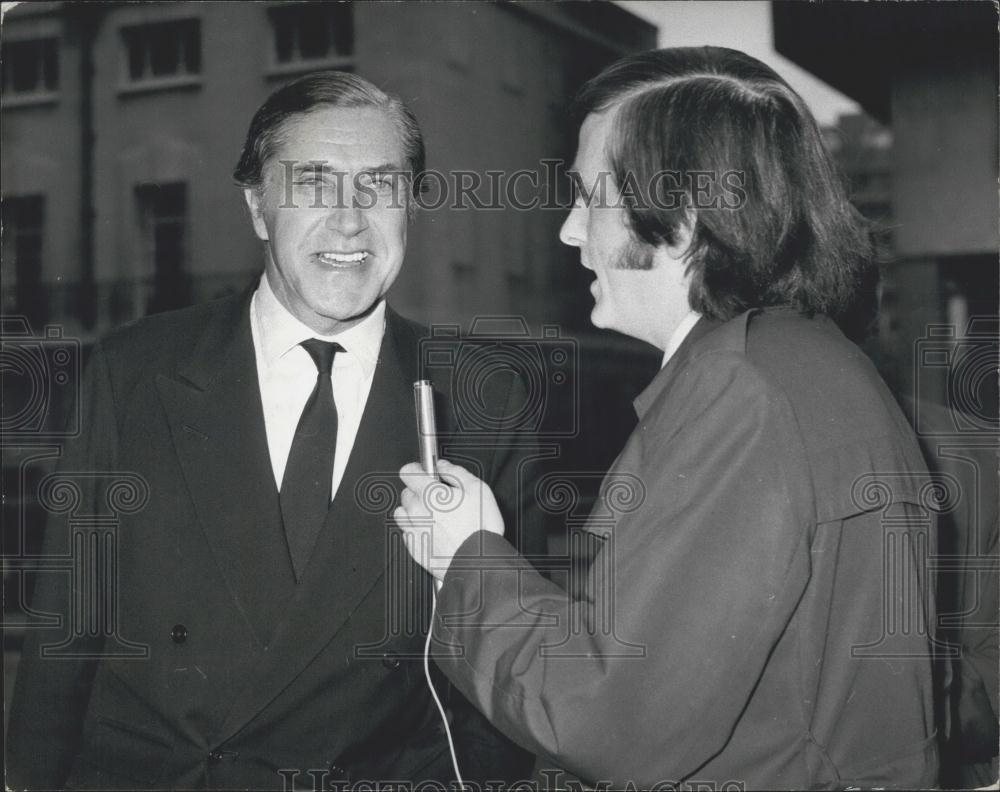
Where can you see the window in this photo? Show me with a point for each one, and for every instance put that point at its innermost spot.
(23, 230)
(30, 67)
(163, 229)
(163, 50)
(308, 33)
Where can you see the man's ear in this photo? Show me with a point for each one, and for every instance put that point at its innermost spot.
(252, 195)
(682, 237)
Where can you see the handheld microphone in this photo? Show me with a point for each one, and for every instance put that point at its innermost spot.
(423, 404)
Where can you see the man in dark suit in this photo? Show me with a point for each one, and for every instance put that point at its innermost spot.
(759, 615)
(265, 628)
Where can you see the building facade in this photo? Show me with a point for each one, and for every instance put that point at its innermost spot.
(122, 123)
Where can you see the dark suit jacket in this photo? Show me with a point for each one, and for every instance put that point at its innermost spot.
(240, 672)
(759, 611)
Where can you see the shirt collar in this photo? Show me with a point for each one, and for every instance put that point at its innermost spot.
(679, 334)
(677, 360)
(280, 331)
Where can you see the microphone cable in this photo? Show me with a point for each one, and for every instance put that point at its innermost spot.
(430, 684)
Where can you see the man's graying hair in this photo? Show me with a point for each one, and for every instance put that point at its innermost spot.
(795, 239)
(313, 92)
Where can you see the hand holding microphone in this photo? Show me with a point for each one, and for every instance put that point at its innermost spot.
(443, 504)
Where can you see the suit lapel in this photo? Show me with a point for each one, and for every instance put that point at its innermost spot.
(352, 552)
(217, 424)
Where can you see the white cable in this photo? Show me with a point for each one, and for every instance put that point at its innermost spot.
(430, 684)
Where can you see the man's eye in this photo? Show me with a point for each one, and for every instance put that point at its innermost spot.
(377, 180)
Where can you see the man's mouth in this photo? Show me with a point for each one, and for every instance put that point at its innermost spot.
(332, 259)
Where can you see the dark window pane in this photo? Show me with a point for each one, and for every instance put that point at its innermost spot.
(164, 46)
(168, 247)
(23, 220)
(314, 32)
(24, 212)
(25, 66)
(163, 213)
(51, 65)
(169, 200)
(28, 252)
(284, 37)
(192, 47)
(136, 56)
(31, 66)
(343, 28)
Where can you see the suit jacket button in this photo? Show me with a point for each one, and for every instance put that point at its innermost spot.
(215, 756)
(179, 633)
(391, 661)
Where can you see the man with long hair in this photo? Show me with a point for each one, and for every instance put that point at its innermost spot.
(763, 572)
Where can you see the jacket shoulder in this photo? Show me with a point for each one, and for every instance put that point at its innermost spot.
(834, 387)
(164, 343)
(169, 334)
(851, 426)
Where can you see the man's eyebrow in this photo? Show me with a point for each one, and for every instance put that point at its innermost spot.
(385, 167)
(318, 168)
(312, 167)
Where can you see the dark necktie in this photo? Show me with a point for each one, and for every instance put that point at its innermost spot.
(306, 485)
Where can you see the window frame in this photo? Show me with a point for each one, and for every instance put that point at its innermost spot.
(148, 82)
(11, 98)
(278, 69)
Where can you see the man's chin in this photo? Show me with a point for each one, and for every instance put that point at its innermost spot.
(345, 316)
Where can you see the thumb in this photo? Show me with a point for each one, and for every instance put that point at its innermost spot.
(454, 475)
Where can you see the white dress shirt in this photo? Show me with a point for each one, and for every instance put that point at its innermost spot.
(287, 375)
(677, 337)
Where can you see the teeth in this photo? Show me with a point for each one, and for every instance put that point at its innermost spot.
(342, 258)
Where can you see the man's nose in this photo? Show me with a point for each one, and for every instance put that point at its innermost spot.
(347, 218)
(574, 228)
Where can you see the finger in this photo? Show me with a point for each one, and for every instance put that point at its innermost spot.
(415, 478)
(411, 468)
(413, 528)
(413, 504)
